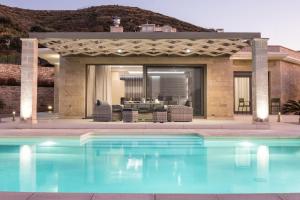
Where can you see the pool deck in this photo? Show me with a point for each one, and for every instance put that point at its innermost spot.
(240, 126)
(64, 196)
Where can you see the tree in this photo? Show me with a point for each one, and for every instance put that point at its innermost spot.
(293, 107)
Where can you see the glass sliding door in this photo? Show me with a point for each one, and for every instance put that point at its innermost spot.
(177, 86)
(242, 92)
(113, 84)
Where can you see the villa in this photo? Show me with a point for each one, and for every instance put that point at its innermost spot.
(204, 108)
(218, 74)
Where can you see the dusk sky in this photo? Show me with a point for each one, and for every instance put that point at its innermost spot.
(275, 19)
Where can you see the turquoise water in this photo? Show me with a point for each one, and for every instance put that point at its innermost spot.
(150, 164)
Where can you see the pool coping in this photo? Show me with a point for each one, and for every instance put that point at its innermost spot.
(89, 134)
(97, 196)
(206, 133)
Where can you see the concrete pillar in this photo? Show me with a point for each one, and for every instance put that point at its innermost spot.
(29, 73)
(260, 86)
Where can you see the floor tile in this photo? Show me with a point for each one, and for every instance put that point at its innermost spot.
(123, 197)
(61, 196)
(290, 196)
(14, 196)
(249, 197)
(185, 197)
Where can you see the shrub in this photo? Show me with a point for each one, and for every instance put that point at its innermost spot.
(293, 107)
(2, 104)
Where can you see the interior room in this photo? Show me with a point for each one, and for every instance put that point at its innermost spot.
(133, 86)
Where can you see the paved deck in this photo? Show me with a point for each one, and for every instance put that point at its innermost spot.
(241, 126)
(64, 196)
(240, 122)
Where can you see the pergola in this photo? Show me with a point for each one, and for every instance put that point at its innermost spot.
(182, 44)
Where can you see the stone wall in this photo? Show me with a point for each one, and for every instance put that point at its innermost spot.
(10, 95)
(71, 84)
(290, 80)
(220, 89)
(10, 76)
(10, 71)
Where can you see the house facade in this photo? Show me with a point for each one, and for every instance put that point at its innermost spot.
(218, 74)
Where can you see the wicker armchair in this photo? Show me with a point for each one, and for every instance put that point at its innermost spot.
(130, 115)
(102, 112)
(180, 113)
(117, 112)
(160, 116)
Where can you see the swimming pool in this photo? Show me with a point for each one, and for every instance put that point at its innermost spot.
(150, 164)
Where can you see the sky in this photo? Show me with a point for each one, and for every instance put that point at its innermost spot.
(278, 20)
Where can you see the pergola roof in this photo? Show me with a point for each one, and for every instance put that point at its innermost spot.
(146, 44)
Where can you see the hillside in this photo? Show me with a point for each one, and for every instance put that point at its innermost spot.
(16, 22)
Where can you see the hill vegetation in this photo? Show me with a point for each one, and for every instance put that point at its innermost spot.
(17, 22)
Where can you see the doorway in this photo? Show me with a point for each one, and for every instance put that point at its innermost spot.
(242, 92)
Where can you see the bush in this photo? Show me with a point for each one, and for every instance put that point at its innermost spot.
(293, 107)
(12, 82)
(38, 28)
(2, 104)
(10, 43)
(5, 20)
(45, 83)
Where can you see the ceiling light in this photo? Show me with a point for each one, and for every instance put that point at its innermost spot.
(188, 50)
(166, 72)
(119, 50)
(135, 72)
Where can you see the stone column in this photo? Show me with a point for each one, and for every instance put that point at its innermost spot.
(29, 72)
(260, 85)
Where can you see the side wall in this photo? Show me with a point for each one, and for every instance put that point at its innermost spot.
(72, 90)
(71, 83)
(10, 76)
(220, 88)
(284, 78)
(290, 79)
(10, 95)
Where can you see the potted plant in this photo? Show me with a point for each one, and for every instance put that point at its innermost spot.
(293, 107)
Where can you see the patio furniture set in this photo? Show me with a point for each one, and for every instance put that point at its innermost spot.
(145, 112)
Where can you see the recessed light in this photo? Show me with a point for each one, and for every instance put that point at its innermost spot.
(166, 72)
(119, 50)
(188, 50)
(135, 72)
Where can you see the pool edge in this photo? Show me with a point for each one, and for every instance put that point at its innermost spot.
(97, 196)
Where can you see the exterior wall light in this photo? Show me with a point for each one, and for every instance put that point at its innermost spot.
(279, 117)
(262, 111)
(50, 108)
(14, 116)
(26, 105)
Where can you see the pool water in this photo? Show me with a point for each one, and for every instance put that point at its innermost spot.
(150, 164)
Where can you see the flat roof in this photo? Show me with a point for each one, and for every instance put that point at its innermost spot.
(145, 35)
